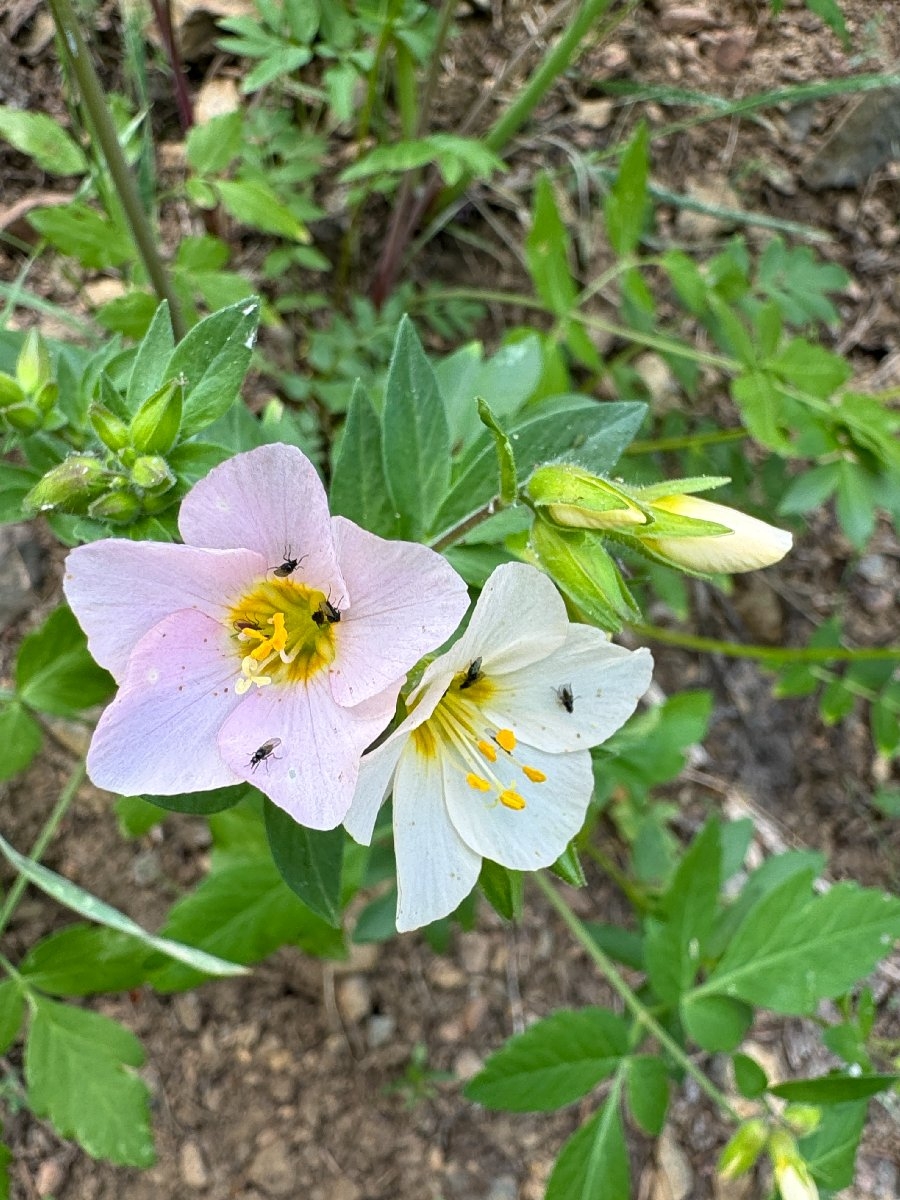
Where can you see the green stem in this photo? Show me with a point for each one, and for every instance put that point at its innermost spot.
(770, 654)
(76, 51)
(458, 532)
(634, 895)
(638, 1010)
(66, 796)
(687, 441)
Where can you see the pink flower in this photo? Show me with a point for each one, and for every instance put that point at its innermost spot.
(270, 647)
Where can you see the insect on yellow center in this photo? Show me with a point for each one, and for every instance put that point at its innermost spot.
(485, 754)
(277, 637)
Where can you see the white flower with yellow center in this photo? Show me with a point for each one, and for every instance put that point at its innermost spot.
(493, 760)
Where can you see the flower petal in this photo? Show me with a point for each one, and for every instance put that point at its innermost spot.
(312, 769)
(519, 618)
(376, 773)
(533, 836)
(605, 681)
(159, 734)
(119, 589)
(751, 544)
(270, 500)
(406, 599)
(436, 870)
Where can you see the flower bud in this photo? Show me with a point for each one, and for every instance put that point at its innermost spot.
(120, 507)
(802, 1118)
(24, 417)
(70, 486)
(574, 498)
(46, 396)
(33, 367)
(10, 392)
(580, 565)
(749, 545)
(151, 473)
(110, 429)
(155, 425)
(791, 1172)
(744, 1149)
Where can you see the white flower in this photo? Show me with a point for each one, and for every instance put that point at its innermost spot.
(493, 760)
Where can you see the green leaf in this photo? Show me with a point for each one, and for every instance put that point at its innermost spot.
(78, 230)
(377, 922)
(834, 1089)
(77, 1069)
(793, 949)
(148, 372)
(811, 368)
(647, 1089)
(54, 671)
(623, 945)
(72, 896)
(135, 816)
(547, 251)
(762, 409)
(857, 500)
(202, 803)
(15, 482)
(212, 146)
(416, 435)
(554, 1062)
(12, 1010)
(749, 1076)
(627, 203)
(6, 1157)
(761, 882)
(503, 889)
(243, 910)
(359, 489)
(810, 489)
(254, 203)
(675, 945)
(506, 462)
(39, 136)
(213, 358)
(716, 1023)
(20, 737)
(830, 1150)
(594, 1161)
(83, 959)
(830, 12)
(308, 860)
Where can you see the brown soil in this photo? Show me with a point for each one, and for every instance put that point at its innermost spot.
(291, 1083)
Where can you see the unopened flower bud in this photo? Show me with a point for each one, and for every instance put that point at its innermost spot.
(151, 473)
(577, 499)
(791, 1172)
(10, 392)
(24, 417)
(71, 486)
(33, 367)
(802, 1118)
(120, 507)
(751, 544)
(110, 429)
(744, 1149)
(155, 425)
(46, 396)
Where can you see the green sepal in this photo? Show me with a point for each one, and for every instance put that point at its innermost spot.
(506, 462)
(568, 867)
(155, 425)
(578, 563)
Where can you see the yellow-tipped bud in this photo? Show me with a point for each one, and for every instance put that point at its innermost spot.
(744, 1149)
(791, 1172)
(751, 544)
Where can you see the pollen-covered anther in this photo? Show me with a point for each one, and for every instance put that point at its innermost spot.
(506, 740)
(534, 774)
(511, 799)
(476, 782)
(487, 750)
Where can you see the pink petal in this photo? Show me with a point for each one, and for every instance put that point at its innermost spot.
(270, 500)
(159, 734)
(313, 765)
(405, 601)
(119, 589)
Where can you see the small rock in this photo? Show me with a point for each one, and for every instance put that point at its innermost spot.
(759, 608)
(504, 1187)
(380, 1028)
(733, 51)
(866, 137)
(101, 291)
(216, 98)
(445, 975)
(686, 18)
(467, 1065)
(49, 1177)
(186, 1006)
(697, 226)
(475, 952)
(354, 998)
(192, 1167)
(344, 1189)
(674, 1177)
(874, 568)
(659, 380)
(273, 1171)
(595, 113)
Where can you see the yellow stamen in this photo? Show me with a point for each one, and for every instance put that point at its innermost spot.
(476, 782)
(511, 799)
(288, 646)
(506, 740)
(534, 774)
(487, 750)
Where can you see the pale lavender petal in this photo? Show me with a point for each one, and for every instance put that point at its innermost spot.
(536, 835)
(311, 770)
(519, 618)
(159, 734)
(119, 589)
(605, 682)
(270, 500)
(405, 601)
(436, 870)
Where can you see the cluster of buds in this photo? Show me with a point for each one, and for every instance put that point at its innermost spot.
(792, 1175)
(28, 398)
(132, 479)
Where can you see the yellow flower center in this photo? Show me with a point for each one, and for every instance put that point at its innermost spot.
(277, 636)
(457, 724)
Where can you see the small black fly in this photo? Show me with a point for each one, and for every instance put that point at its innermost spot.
(326, 612)
(289, 565)
(241, 626)
(265, 752)
(473, 673)
(566, 697)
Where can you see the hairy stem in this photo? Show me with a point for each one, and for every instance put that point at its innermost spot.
(767, 654)
(458, 532)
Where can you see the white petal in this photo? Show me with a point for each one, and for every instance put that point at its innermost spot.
(606, 682)
(376, 774)
(436, 870)
(536, 835)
